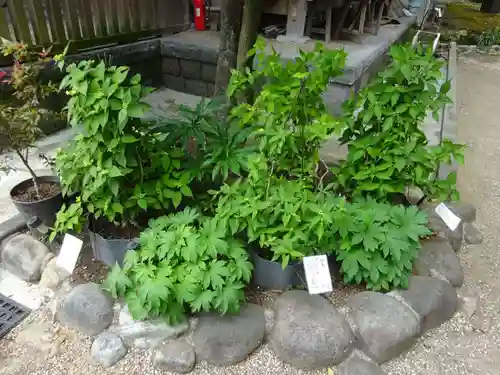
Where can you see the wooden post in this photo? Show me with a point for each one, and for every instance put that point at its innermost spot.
(296, 22)
(249, 30)
(230, 33)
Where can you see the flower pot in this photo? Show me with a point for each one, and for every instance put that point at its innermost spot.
(111, 251)
(269, 274)
(46, 209)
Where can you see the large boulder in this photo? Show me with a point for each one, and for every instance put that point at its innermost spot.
(175, 356)
(231, 338)
(437, 254)
(146, 334)
(107, 349)
(434, 300)
(25, 257)
(86, 308)
(384, 326)
(357, 365)
(309, 332)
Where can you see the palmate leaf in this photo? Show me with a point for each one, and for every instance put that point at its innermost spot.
(216, 274)
(228, 299)
(117, 282)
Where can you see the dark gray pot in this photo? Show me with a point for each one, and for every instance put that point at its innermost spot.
(269, 274)
(111, 251)
(45, 209)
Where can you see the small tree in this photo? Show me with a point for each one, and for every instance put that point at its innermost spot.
(20, 117)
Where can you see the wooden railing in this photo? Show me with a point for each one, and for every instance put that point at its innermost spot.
(88, 22)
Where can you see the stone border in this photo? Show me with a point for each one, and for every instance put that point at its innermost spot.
(10, 226)
(472, 48)
(303, 330)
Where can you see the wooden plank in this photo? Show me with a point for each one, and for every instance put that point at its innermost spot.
(41, 30)
(123, 16)
(70, 9)
(56, 20)
(112, 17)
(85, 16)
(99, 11)
(160, 14)
(4, 24)
(20, 21)
(147, 14)
(134, 7)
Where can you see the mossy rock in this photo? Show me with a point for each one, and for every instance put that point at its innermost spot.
(467, 16)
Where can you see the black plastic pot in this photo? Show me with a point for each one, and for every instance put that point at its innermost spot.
(270, 274)
(111, 251)
(45, 209)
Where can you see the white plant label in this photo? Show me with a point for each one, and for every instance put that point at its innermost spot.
(449, 218)
(68, 255)
(318, 275)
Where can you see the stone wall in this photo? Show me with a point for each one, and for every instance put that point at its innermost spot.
(189, 62)
(192, 76)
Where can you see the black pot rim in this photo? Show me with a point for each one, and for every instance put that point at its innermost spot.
(21, 184)
(290, 264)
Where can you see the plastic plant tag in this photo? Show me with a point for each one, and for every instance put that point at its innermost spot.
(450, 219)
(69, 253)
(318, 275)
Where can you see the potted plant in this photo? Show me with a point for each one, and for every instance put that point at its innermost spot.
(282, 220)
(184, 264)
(19, 119)
(124, 172)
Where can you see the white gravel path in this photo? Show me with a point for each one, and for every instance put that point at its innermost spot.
(459, 346)
(465, 345)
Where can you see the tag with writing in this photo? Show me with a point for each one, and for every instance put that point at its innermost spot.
(450, 219)
(318, 275)
(68, 255)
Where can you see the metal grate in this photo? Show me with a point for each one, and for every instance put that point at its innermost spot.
(11, 314)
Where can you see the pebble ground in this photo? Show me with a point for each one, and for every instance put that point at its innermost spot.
(465, 345)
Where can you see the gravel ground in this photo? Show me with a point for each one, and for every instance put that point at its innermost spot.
(468, 344)
(471, 345)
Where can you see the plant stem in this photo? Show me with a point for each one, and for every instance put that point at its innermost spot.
(30, 170)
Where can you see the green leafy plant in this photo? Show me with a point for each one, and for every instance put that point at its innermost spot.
(217, 145)
(379, 242)
(288, 117)
(184, 264)
(387, 149)
(489, 37)
(285, 219)
(120, 166)
(20, 117)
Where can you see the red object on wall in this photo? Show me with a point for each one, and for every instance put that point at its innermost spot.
(199, 15)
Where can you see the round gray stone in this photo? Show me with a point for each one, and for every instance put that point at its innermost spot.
(355, 365)
(229, 339)
(24, 256)
(309, 332)
(107, 349)
(437, 254)
(175, 356)
(435, 300)
(384, 326)
(53, 276)
(86, 308)
(472, 235)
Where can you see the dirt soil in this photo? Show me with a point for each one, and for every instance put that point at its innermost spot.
(46, 190)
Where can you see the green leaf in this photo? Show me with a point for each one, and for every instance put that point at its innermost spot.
(186, 191)
(137, 109)
(117, 207)
(143, 204)
(176, 198)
